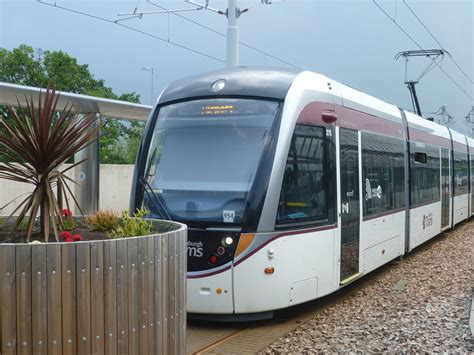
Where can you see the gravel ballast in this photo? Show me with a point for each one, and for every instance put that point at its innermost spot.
(421, 304)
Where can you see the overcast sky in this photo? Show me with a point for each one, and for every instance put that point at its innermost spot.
(351, 41)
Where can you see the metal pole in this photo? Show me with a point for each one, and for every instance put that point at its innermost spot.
(87, 176)
(152, 71)
(414, 97)
(232, 34)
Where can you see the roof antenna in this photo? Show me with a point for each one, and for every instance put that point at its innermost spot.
(436, 57)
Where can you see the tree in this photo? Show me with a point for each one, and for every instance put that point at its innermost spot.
(25, 66)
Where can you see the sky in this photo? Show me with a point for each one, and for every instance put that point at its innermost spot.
(351, 41)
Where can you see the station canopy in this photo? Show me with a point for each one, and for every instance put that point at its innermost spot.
(10, 94)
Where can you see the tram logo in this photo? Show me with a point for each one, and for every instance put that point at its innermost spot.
(379, 192)
(427, 220)
(368, 190)
(372, 192)
(195, 249)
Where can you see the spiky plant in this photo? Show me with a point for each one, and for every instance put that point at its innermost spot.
(37, 143)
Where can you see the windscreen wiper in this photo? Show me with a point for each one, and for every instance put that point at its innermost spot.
(155, 199)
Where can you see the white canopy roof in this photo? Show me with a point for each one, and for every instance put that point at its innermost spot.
(10, 94)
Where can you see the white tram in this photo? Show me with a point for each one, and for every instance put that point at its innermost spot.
(294, 185)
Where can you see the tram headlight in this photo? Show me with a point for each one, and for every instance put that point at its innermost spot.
(218, 85)
(227, 241)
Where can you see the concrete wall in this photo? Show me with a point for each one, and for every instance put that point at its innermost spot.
(115, 187)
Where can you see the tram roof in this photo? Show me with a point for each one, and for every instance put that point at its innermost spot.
(239, 81)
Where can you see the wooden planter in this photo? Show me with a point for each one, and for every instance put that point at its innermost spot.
(121, 296)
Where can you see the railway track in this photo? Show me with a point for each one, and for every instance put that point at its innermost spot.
(252, 337)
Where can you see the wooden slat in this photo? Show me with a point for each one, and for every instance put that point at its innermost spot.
(143, 316)
(151, 292)
(110, 296)
(97, 298)
(23, 292)
(158, 296)
(133, 306)
(2, 280)
(8, 297)
(172, 292)
(69, 298)
(53, 269)
(83, 282)
(39, 299)
(113, 297)
(183, 254)
(165, 296)
(185, 282)
(122, 297)
(177, 263)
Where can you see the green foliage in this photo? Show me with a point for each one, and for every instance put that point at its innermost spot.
(103, 221)
(23, 226)
(68, 224)
(132, 226)
(41, 140)
(119, 140)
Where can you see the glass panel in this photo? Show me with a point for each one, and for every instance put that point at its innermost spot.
(303, 194)
(425, 183)
(205, 155)
(383, 173)
(461, 177)
(444, 188)
(350, 211)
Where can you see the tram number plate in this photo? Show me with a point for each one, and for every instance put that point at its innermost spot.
(328, 133)
(228, 216)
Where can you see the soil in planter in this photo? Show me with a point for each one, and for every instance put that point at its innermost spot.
(6, 236)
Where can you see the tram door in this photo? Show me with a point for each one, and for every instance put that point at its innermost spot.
(350, 210)
(444, 188)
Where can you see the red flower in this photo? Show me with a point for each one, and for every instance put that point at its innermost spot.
(67, 213)
(69, 240)
(65, 235)
(77, 237)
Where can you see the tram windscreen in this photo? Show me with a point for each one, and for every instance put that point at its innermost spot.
(204, 156)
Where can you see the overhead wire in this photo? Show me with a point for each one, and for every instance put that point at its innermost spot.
(133, 29)
(436, 40)
(224, 35)
(167, 40)
(419, 46)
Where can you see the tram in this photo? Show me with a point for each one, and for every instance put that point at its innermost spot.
(294, 185)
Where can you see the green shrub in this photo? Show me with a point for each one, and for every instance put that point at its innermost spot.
(132, 226)
(103, 221)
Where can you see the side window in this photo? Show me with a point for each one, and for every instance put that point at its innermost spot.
(383, 174)
(461, 184)
(303, 194)
(425, 174)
